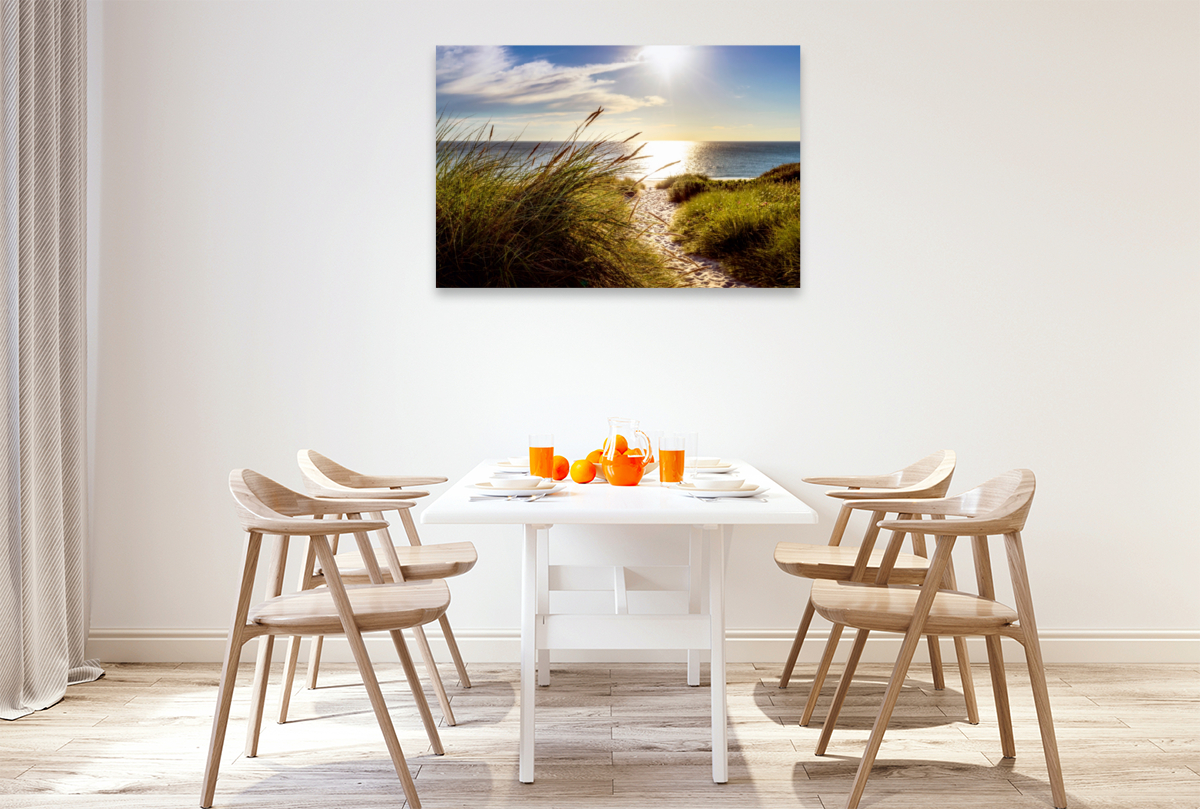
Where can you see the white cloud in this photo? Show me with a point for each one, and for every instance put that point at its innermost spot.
(490, 73)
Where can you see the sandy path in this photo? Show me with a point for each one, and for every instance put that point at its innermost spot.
(693, 270)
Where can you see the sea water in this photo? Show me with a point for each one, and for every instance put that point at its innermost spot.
(720, 160)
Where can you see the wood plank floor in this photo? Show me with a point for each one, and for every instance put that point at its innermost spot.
(610, 736)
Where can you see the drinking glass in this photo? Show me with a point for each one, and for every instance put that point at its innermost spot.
(671, 455)
(691, 453)
(541, 454)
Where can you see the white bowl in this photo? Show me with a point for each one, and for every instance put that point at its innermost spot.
(723, 483)
(518, 482)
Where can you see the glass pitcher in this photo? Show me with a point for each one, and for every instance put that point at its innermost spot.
(628, 453)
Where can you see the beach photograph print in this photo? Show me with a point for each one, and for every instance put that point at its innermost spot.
(618, 166)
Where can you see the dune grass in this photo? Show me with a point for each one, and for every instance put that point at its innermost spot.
(509, 217)
(751, 226)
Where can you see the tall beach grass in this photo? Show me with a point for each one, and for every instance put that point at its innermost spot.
(517, 217)
(751, 226)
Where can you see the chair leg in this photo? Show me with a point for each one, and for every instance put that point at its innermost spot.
(839, 697)
(790, 663)
(464, 679)
(434, 676)
(367, 671)
(258, 694)
(964, 658)
(912, 638)
(968, 682)
(1008, 742)
(895, 685)
(1037, 669)
(835, 634)
(220, 722)
(935, 662)
(289, 676)
(233, 651)
(414, 684)
(262, 666)
(314, 661)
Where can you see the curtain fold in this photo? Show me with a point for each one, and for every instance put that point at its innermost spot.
(43, 494)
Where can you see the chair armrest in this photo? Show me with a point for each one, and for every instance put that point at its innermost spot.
(949, 528)
(878, 494)
(360, 494)
(308, 528)
(348, 505)
(398, 481)
(915, 505)
(855, 481)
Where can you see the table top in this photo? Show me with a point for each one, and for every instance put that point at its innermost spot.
(596, 503)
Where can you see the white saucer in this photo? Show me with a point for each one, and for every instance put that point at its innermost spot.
(508, 466)
(498, 489)
(708, 465)
(708, 470)
(747, 490)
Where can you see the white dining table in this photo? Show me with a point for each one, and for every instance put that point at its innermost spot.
(597, 503)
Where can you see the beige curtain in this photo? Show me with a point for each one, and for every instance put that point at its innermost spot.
(43, 571)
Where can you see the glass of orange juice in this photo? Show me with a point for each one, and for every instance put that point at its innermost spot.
(671, 448)
(541, 455)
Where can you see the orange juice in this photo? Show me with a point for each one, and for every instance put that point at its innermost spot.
(670, 465)
(541, 461)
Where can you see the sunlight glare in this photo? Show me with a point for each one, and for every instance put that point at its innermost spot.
(665, 57)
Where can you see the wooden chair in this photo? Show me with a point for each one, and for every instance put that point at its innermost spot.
(928, 477)
(998, 507)
(264, 507)
(406, 563)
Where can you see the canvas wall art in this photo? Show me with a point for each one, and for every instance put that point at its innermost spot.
(618, 166)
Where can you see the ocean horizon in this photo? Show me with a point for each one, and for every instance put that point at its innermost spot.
(720, 160)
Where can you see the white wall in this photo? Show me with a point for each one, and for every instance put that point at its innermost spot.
(1000, 257)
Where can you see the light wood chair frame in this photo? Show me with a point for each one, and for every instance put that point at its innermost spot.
(929, 477)
(267, 509)
(997, 508)
(326, 478)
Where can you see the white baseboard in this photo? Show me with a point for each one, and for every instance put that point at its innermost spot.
(742, 646)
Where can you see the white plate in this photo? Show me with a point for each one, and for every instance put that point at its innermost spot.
(508, 466)
(747, 490)
(709, 470)
(498, 489)
(708, 465)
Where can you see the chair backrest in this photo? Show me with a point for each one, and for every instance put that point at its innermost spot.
(999, 506)
(324, 477)
(932, 470)
(1003, 501)
(266, 507)
(260, 500)
(928, 477)
(323, 471)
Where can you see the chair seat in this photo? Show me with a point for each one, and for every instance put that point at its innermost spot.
(889, 608)
(376, 607)
(417, 562)
(837, 563)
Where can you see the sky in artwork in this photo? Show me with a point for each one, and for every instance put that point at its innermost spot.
(665, 92)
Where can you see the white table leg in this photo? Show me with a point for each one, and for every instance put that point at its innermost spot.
(543, 598)
(695, 567)
(529, 601)
(716, 609)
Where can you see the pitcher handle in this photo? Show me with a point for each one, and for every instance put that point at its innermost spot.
(649, 446)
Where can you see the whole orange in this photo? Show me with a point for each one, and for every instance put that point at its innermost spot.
(595, 455)
(583, 471)
(560, 466)
(622, 445)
